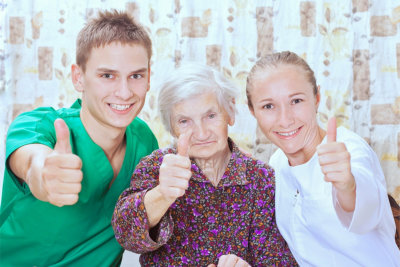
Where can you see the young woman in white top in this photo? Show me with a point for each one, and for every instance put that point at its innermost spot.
(331, 201)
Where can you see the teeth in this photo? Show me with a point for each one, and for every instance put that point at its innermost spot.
(288, 134)
(120, 107)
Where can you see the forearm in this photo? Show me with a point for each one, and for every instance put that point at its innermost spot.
(27, 160)
(131, 226)
(156, 206)
(347, 199)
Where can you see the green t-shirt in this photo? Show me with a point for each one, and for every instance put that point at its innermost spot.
(36, 233)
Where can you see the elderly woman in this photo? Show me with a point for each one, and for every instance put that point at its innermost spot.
(331, 200)
(205, 202)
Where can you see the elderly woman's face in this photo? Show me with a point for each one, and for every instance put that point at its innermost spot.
(208, 122)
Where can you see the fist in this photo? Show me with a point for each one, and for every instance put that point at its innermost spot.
(175, 170)
(61, 175)
(334, 160)
(230, 260)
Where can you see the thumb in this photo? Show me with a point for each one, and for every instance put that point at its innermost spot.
(331, 131)
(211, 265)
(183, 143)
(62, 134)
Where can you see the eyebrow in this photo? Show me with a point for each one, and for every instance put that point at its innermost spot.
(290, 96)
(115, 71)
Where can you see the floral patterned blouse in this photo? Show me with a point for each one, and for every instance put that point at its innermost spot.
(236, 217)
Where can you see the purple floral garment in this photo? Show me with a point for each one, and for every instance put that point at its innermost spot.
(236, 217)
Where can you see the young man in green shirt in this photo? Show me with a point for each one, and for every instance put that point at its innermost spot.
(66, 168)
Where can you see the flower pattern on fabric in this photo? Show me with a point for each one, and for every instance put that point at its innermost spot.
(236, 217)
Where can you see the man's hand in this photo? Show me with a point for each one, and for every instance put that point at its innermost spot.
(175, 170)
(230, 260)
(334, 160)
(59, 179)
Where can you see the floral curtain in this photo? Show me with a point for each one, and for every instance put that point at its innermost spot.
(352, 45)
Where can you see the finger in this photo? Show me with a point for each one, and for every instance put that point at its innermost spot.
(211, 265)
(331, 131)
(230, 260)
(181, 183)
(333, 158)
(65, 161)
(172, 160)
(62, 135)
(241, 263)
(183, 143)
(63, 199)
(67, 188)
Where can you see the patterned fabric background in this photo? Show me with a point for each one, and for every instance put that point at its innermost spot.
(353, 46)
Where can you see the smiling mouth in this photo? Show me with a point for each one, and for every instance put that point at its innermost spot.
(288, 134)
(120, 107)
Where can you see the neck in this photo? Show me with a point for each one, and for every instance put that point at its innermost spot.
(213, 168)
(111, 140)
(309, 149)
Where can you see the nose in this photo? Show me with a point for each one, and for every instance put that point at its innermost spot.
(123, 90)
(201, 131)
(286, 118)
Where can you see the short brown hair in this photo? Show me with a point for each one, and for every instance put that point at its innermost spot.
(275, 60)
(107, 27)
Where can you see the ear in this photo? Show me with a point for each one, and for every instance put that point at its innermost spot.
(148, 78)
(317, 98)
(77, 77)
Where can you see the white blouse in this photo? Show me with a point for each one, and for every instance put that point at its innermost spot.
(318, 231)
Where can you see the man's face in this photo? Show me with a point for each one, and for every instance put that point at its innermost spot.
(114, 85)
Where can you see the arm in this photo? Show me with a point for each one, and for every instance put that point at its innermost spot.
(266, 245)
(53, 175)
(141, 220)
(335, 163)
(359, 188)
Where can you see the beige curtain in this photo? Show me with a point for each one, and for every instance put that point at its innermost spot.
(353, 46)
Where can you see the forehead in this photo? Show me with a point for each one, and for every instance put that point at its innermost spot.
(116, 52)
(282, 76)
(197, 105)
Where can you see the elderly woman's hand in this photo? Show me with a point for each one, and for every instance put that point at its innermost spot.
(334, 160)
(175, 170)
(230, 260)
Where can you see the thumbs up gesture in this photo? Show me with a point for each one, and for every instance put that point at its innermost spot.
(175, 170)
(61, 175)
(334, 160)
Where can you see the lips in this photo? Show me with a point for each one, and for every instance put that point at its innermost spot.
(120, 107)
(288, 134)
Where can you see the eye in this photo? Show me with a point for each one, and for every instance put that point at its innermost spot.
(212, 115)
(267, 106)
(297, 100)
(107, 75)
(136, 76)
(182, 121)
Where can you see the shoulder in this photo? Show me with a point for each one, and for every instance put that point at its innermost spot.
(257, 171)
(140, 129)
(142, 135)
(36, 126)
(155, 158)
(277, 158)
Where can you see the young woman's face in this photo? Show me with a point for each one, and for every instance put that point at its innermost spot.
(285, 108)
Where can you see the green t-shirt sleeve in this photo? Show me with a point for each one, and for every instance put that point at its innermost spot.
(34, 127)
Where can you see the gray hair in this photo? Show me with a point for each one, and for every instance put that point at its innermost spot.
(192, 79)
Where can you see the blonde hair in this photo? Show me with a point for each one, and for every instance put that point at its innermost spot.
(107, 27)
(273, 61)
